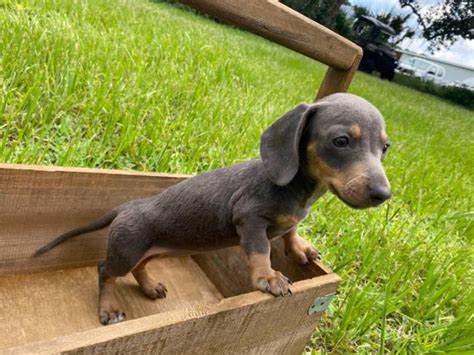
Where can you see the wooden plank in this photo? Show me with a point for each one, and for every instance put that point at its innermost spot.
(39, 203)
(65, 302)
(63, 169)
(227, 268)
(253, 322)
(337, 80)
(279, 23)
(32, 199)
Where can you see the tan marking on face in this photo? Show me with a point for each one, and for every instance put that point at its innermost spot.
(383, 136)
(350, 184)
(356, 133)
(317, 168)
(285, 220)
(348, 177)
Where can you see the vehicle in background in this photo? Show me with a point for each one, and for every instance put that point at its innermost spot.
(423, 69)
(465, 84)
(373, 36)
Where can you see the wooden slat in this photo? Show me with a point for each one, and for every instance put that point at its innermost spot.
(39, 203)
(279, 23)
(338, 80)
(249, 323)
(46, 305)
(233, 276)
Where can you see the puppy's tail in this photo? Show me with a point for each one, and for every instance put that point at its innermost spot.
(102, 222)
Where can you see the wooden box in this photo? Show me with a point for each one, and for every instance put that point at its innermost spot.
(49, 304)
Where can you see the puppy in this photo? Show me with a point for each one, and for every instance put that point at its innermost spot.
(335, 144)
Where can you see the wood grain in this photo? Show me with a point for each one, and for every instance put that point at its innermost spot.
(233, 276)
(279, 23)
(253, 323)
(39, 203)
(56, 310)
(337, 80)
(49, 304)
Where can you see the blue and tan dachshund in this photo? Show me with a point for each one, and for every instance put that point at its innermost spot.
(336, 144)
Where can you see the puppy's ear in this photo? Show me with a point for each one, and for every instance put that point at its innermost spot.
(279, 145)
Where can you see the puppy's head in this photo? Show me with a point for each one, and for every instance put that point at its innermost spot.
(340, 141)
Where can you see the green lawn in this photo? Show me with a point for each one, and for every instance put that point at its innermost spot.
(146, 86)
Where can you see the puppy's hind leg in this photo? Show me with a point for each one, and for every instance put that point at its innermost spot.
(126, 248)
(110, 311)
(150, 287)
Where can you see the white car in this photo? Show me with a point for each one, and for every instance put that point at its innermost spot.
(466, 84)
(422, 68)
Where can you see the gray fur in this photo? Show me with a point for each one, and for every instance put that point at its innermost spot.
(241, 204)
(279, 145)
(100, 223)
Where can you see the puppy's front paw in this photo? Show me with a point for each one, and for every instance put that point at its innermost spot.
(302, 250)
(276, 283)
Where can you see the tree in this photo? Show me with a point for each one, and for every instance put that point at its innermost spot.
(333, 9)
(443, 24)
(325, 12)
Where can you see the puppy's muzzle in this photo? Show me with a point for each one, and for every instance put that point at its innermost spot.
(379, 194)
(367, 187)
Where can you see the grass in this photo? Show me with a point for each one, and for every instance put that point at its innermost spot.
(146, 86)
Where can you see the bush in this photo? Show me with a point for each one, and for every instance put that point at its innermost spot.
(460, 96)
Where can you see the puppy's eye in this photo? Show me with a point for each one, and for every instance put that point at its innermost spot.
(341, 141)
(385, 147)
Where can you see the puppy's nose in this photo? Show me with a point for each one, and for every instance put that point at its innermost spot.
(378, 194)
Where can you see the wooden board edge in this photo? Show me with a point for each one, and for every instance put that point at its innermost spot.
(327, 283)
(320, 266)
(256, 16)
(61, 169)
(339, 80)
